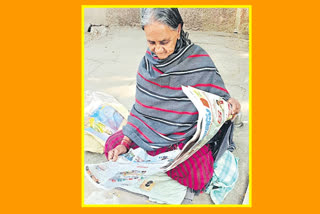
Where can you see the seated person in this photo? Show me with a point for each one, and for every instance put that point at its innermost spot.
(162, 117)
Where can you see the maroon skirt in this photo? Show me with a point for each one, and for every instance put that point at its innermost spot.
(195, 172)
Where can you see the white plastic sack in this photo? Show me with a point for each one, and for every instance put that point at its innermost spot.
(103, 116)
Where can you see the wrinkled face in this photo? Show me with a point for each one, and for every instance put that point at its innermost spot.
(161, 39)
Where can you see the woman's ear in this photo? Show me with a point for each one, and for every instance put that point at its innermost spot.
(179, 31)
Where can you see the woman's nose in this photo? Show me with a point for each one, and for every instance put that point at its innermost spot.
(158, 48)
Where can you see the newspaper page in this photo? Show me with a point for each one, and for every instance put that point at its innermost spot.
(130, 168)
(213, 110)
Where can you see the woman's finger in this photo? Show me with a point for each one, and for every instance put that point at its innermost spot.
(238, 107)
(115, 155)
(235, 108)
(110, 154)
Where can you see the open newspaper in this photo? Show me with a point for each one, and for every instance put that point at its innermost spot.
(214, 111)
(130, 168)
(136, 165)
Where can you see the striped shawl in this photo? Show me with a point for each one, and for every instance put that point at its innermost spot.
(162, 115)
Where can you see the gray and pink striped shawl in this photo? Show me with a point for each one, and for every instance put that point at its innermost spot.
(162, 115)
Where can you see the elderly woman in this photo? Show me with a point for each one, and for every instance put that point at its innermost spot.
(162, 117)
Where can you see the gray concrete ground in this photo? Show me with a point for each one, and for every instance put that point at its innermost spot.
(111, 60)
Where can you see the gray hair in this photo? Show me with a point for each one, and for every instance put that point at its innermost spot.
(168, 16)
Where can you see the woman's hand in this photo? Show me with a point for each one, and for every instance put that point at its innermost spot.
(235, 106)
(114, 153)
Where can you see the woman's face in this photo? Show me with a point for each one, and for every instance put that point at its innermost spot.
(161, 39)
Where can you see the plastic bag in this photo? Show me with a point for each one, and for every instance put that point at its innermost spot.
(103, 116)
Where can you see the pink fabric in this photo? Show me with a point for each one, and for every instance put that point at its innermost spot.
(195, 172)
(165, 110)
(197, 55)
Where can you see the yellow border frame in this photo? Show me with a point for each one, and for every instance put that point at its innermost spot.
(250, 102)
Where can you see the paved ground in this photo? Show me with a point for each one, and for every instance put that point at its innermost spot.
(111, 61)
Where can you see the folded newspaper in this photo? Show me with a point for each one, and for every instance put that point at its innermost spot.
(214, 111)
(135, 165)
